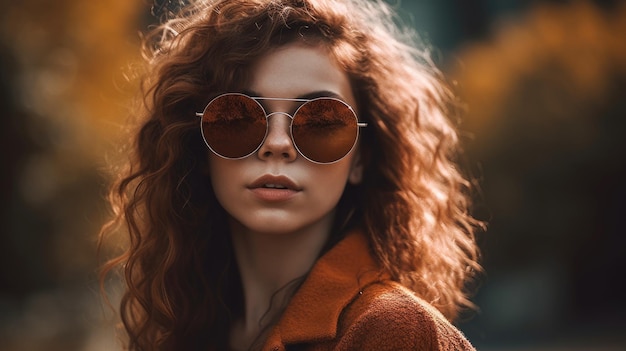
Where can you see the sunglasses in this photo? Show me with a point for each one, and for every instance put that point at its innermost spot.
(323, 130)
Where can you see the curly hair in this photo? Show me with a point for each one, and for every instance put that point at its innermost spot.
(182, 285)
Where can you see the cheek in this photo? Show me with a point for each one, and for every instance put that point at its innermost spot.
(222, 173)
(330, 181)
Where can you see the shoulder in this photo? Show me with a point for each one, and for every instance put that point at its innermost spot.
(387, 316)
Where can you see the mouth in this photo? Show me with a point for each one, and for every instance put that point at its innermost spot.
(274, 186)
(269, 181)
(274, 189)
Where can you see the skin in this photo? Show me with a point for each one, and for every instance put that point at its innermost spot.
(278, 234)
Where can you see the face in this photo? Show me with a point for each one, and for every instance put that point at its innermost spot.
(276, 190)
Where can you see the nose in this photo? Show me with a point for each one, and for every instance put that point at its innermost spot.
(278, 143)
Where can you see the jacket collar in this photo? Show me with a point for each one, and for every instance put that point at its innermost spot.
(333, 282)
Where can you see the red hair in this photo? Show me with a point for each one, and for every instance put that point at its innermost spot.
(182, 287)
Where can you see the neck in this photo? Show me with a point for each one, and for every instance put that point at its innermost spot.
(268, 262)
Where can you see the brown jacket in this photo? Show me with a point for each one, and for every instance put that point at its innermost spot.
(348, 303)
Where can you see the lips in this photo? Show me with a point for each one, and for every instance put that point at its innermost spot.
(269, 181)
(270, 188)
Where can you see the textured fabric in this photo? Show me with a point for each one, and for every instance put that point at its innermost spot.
(348, 303)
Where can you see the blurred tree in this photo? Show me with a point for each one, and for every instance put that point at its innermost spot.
(64, 97)
(546, 107)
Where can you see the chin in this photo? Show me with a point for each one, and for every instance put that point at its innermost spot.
(274, 227)
(283, 224)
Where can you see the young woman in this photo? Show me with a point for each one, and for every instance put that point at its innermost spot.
(292, 186)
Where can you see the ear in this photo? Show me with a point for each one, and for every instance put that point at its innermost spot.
(356, 170)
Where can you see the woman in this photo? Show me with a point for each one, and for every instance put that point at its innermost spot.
(317, 206)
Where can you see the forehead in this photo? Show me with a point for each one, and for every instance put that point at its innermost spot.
(298, 69)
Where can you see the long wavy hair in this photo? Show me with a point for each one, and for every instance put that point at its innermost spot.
(182, 288)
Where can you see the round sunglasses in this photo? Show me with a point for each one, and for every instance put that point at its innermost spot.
(323, 130)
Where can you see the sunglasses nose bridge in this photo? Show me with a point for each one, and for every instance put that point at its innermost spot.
(269, 122)
(278, 113)
(278, 139)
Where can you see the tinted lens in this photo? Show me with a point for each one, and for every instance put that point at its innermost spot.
(324, 130)
(233, 125)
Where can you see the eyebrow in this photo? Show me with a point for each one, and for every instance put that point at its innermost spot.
(308, 96)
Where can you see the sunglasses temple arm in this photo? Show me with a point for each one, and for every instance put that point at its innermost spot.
(199, 114)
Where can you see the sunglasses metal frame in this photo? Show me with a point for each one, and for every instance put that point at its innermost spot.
(359, 125)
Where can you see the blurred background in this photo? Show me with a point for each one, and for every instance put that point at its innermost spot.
(544, 83)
